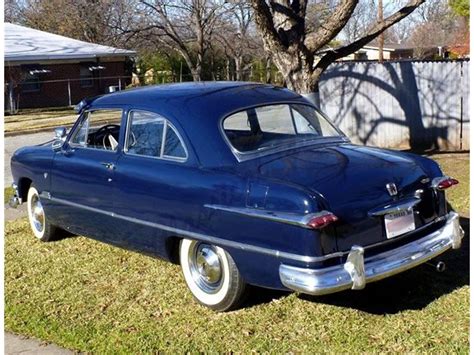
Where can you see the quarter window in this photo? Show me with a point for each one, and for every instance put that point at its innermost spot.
(150, 134)
(173, 145)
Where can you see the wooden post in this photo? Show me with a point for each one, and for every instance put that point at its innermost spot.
(381, 37)
(69, 91)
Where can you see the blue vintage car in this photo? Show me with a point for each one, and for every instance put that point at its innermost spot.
(239, 183)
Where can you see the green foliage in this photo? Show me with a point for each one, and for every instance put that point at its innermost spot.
(160, 68)
(460, 7)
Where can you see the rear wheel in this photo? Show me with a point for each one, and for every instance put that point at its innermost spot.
(42, 229)
(211, 275)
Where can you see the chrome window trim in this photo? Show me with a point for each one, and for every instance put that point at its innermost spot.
(162, 156)
(77, 128)
(243, 156)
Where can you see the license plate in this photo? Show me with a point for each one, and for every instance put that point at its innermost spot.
(399, 223)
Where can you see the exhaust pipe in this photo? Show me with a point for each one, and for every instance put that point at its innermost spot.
(440, 266)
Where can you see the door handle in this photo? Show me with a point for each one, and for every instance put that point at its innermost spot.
(109, 166)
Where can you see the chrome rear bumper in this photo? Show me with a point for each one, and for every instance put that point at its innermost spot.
(357, 271)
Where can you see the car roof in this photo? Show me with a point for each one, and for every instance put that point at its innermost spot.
(206, 90)
(198, 107)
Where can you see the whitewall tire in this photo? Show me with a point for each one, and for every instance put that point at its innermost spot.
(211, 275)
(39, 222)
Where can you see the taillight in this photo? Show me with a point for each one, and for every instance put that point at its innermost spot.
(444, 182)
(321, 220)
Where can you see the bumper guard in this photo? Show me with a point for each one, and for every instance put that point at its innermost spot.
(356, 272)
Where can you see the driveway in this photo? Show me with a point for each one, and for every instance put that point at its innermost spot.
(15, 142)
(17, 344)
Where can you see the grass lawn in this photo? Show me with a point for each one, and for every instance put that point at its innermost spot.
(30, 122)
(88, 296)
(38, 120)
(8, 193)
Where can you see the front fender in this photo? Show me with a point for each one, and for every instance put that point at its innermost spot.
(32, 164)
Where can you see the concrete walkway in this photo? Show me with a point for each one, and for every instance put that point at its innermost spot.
(13, 143)
(17, 344)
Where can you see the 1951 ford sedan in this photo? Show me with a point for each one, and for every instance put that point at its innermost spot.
(240, 184)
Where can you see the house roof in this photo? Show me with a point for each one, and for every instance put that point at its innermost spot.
(388, 46)
(27, 44)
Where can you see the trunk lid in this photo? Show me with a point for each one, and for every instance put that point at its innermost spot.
(352, 179)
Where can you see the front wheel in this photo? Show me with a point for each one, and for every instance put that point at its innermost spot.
(211, 275)
(42, 229)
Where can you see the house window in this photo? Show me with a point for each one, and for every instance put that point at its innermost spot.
(361, 56)
(87, 78)
(31, 82)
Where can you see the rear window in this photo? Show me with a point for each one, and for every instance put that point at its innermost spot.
(275, 125)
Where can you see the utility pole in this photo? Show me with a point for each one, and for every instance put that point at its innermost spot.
(380, 20)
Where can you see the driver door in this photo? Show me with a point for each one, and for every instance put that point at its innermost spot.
(82, 179)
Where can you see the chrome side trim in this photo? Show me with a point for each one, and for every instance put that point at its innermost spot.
(400, 205)
(300, 220)
(203, 237)
(356, 272)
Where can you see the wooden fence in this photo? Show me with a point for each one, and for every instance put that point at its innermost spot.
(405, 104)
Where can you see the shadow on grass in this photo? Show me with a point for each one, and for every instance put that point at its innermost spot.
(410, 290)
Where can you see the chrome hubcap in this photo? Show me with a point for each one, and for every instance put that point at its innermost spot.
(206, 267)
(37, 213)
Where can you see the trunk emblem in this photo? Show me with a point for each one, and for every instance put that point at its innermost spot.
(392, 189)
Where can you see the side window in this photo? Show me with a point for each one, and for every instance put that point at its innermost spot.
(145, 133)
(150, 134)
(99, 129)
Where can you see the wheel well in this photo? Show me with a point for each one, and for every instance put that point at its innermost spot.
(172, 249)
(23, 187)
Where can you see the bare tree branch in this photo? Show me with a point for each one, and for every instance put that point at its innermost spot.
(327, 31)
(264, 22)
(376, 30)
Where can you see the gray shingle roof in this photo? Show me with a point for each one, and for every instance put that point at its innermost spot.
(27, 44)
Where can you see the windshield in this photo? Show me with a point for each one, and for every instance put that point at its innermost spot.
(270, 126)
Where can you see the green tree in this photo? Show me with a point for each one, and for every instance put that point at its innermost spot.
(460, 7)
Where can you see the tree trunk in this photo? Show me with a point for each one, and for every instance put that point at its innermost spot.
(238, 68)
(268, 70)
(213, 74)
(301, 81)
(196, 73)
(227, 68)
